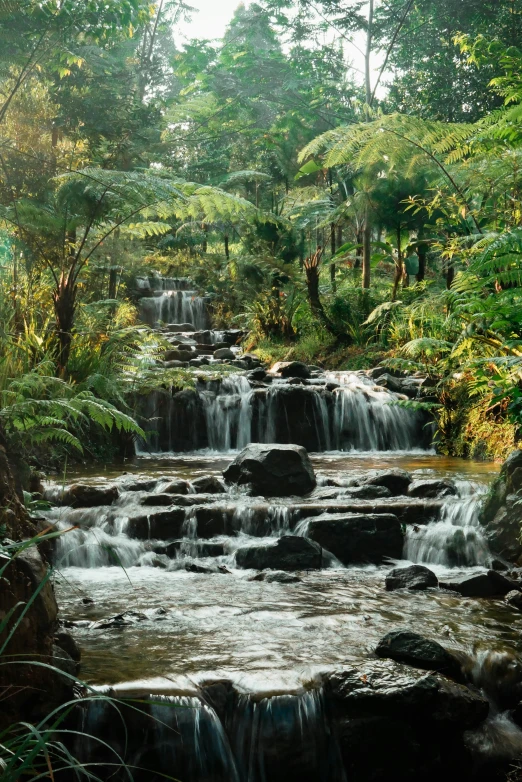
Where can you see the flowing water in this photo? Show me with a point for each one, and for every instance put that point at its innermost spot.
(229, 667)
(226, 624)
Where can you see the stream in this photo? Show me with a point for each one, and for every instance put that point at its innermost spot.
(254, 674)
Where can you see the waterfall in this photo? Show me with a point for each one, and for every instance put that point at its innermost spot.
(457, 539)
(171, 301)
(365, 418)
(228, 414)
(186, 738)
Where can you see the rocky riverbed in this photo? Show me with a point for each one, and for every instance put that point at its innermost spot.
(243, 613)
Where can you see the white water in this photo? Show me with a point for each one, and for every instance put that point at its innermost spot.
(457, 539)
(173, 306)
(357, 416)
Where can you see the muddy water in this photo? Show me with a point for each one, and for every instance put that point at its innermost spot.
(268, 636)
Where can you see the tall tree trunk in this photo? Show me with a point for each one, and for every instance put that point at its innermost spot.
(399, 266)
(64, 300)
(367, 252)
(359, 253)
(333, 251)
(316, 305)
(422, 252)
(113, 282)
(227, 247)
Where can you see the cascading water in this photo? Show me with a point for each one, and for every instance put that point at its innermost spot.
(457, 539)
(367, 418)
(171, 302)
(228, 414)
(183, 736)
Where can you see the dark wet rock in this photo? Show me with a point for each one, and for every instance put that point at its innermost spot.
(391, 383)
(358, 538)
(397, 481)
(209, 548)
(64, 662)
(258, 374)
(157, 499)
(273, 470)
(286, 553)
(181, 327)
(514, 599)
(295, 369)
(208, 484)
(125, 619)
(501, 512)
(415, 577)
(177, 487)
(162, 525)
(432, 489)
(224, 353)
(291, 369)
(385, 688)
(276, 576)
(413, 649)
(490, 584)
(66, 642)
(178, 355)
(87, 601)
(139, 484)
(196, 567)
(368, 492)
(83, 495)
(295, 411)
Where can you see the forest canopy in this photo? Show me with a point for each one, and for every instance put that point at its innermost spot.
(342, 178)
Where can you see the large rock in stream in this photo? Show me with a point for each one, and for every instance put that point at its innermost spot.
(273, 470)
(413, 649)
(502, 514)
(286, 553)
(357, 538)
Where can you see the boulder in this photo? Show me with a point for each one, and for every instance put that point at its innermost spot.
(514, 599)
(178, 355)
(429, 489)
(397, 481)
(290, 369)
(286, 553)
(64, 662)
(66, 642)
(257, 374)
(384, 688)
(368, 492)
(159, 525)
(224, 353)
(391, 383)
(413, 649)
(82, 495)
(177, 487)
(273, 470)
(357, 538)
(293, 369)
(208, 484)
(180, 327)
(415, 577)
(490, 584)
(139, 484)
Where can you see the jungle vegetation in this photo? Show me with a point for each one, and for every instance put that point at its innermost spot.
(344, 177)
